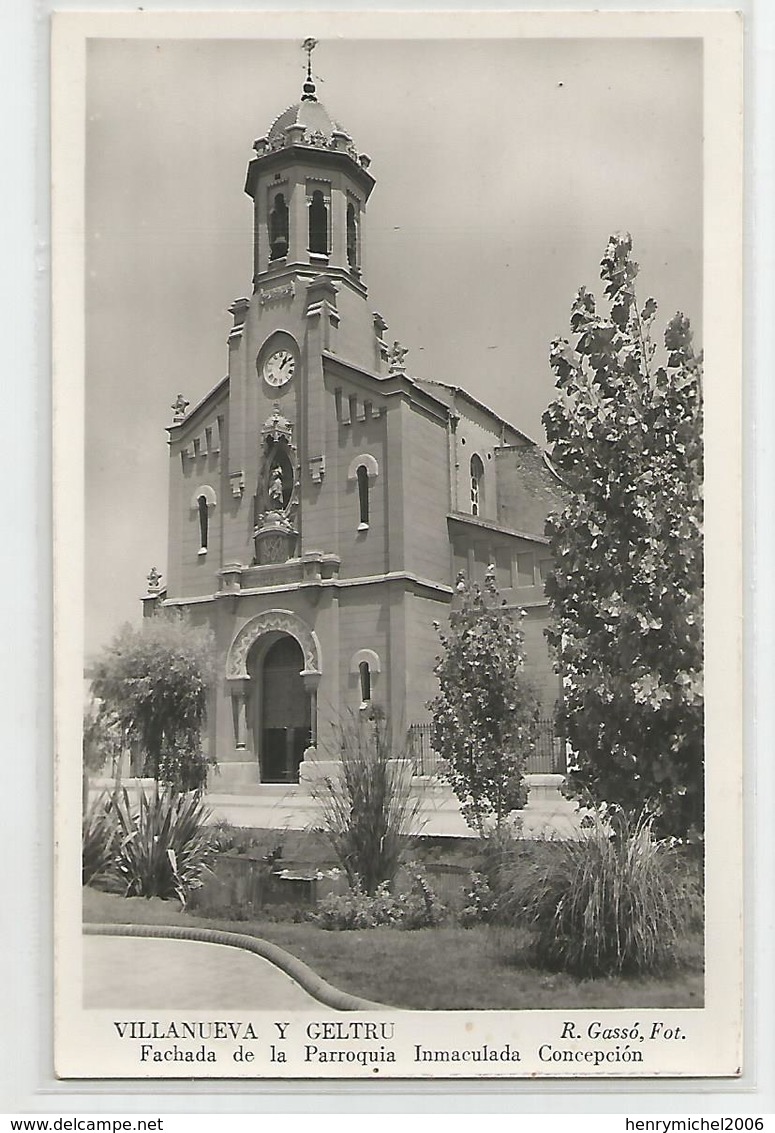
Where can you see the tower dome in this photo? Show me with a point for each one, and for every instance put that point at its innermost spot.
(308, 123)
(312, 115)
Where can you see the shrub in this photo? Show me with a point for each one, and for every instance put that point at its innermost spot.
(420, 907)
(99, 839)
(499, 854)
(603, 904)
(165, 846)
(479, 902)
(367, 809)
(226, 838)
(356, 909)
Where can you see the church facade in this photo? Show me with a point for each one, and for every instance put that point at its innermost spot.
(322, 500)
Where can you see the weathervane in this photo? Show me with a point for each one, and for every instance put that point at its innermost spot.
(309, 46)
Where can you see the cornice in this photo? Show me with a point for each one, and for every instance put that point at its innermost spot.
(302, 272)
(466, 520)
(308, 155)
(412, 581)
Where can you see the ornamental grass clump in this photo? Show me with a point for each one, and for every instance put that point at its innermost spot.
(99, 840)
(165, 846)
(605, 903)
(367, 809)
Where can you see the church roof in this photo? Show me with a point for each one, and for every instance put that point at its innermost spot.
(449, 395)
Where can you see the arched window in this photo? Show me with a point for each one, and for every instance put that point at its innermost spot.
(203, 501)
(365, 667)
(278, 228)
(477, 485)
(352, 236)
(363, 494)
(364, 673)
(318, 224)
(362, 473)
(204, 518)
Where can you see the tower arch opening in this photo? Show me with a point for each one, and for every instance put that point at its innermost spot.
(352, 236)
(477, 485)
(278, 228)
(318, 224)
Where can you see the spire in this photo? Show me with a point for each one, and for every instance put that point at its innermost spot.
(309, 95)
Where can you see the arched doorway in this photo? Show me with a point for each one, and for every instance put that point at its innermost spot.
(280, 707)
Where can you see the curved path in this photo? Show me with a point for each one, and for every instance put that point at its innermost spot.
(184, 974)
(174, 967)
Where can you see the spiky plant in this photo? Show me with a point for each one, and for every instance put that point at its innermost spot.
(165, 844)
(99, 839)
(367, 809)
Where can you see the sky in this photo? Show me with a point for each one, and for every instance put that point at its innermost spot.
(502, 167)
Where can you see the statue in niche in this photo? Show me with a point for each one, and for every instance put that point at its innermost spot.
(274, 534)
(276, 489)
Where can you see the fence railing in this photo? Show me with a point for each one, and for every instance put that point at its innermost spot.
(547, 759)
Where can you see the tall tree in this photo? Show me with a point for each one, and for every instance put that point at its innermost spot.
(485, 717)
(153, 684)
(626, 592)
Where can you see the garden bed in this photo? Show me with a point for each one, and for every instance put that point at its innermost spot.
(443, 968)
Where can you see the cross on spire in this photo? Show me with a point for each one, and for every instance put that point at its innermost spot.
(309, 46)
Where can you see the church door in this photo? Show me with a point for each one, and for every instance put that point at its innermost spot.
(284, 726)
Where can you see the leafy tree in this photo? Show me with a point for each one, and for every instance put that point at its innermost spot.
(485, 718)
(153, 683)
(626, 589)
(103, 741)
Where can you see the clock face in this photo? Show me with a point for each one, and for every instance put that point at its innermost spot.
(279, 368)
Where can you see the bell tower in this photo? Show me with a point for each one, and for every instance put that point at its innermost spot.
(309, 187)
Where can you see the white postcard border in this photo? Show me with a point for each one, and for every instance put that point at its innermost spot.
(83, 1048)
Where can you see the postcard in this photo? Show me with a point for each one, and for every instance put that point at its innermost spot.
(397, 459)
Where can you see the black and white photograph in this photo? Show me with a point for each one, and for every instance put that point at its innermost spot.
(397, 475)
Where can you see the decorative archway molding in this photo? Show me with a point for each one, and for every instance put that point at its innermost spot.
(272, 621)
(208, 493)
(367, 655)
(368, 462)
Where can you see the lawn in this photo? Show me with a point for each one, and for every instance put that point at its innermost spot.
(445, 968)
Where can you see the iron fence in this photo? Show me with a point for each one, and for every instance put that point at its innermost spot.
(548, 758)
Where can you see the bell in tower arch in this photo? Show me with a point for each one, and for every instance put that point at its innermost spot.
(278, 228)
